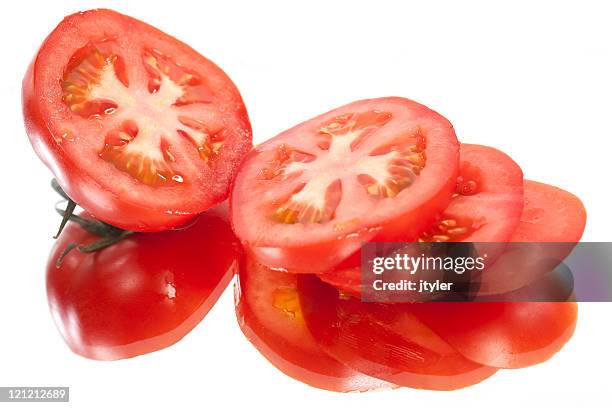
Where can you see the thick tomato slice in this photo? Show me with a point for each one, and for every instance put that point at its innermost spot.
(143, 293)
(377, 168)
(384, 341)
(138, 128)
(516, 334)
(270, 316)
(486, 207)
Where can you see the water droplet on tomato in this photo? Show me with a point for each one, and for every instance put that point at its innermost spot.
(170, 290)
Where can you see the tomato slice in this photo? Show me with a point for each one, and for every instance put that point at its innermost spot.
(551, 216)
(270, 316)
(486, 207)
(488, 199)
(384, 341)
(516, 334)
(138, 128)
(377, 168)
(143, 293)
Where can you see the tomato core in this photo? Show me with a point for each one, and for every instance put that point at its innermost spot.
(145, 125)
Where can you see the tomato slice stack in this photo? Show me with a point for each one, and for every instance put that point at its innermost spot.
(268, 307)
(384, 341)
(385, 170)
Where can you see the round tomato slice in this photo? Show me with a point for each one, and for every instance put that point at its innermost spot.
(486, 207)
(270, 316)
(139, 129)
(488, 199)
(377, 168)
(551, 216)
(143, 293)
(384, 341)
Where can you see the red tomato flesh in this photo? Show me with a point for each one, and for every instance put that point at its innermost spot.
(550, 215)
(143, 293)
(270, 316)
(139, 129)
(373, 169)
(488, 199)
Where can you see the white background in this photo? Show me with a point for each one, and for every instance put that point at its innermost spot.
(531, 78)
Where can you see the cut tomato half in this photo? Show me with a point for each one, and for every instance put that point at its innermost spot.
(384, 341)
(138, 128)
(270, 316)
(373, 169)
(486, 207)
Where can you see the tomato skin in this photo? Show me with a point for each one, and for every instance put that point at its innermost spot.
(108, 201)
(287, 344)
(144, 293)
(384, 341)
(317, 247)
